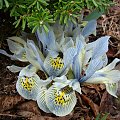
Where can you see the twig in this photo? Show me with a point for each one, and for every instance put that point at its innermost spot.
(10, 115)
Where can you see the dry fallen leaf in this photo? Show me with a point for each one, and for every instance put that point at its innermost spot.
(30, 106)
(93, 106)
(8, 102)
(106, 104)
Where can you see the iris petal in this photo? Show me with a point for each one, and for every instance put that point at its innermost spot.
(112, 88)
(14, 68)
(53, 66)
(32, 58)
(101, 47)
(14, 47)
(42, 37)
(78, 59)
(17, 39)
(58, 30)
(35, 56)
(89, 28)
(69, 55)
(47, 39)
(27, 87)
(68, 44)
(104, 77)
(28, 82)
(41, 100)
(60, 102)
(5, 53)
(93, 66)
(51, 40)
(21, 55)
(29, 71)
(110, 66)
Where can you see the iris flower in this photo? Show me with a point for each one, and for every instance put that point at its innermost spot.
(17, 47)
(90, 64)
(56, 60)
(29, 82)
(59, 98)
(51, 42)
(66, 63)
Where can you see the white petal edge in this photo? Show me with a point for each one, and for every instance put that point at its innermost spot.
(41, 100)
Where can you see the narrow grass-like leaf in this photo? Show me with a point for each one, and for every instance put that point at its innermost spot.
(94, 15)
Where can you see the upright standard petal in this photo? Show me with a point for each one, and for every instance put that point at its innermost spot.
(32, 58)
(69, 29)
(68, 56)
(69, 43)
(35, 56)
(79, 57)
(101, 47)
(51, 40)
(41, 36)
(60, 102)
(18, 40)
(93, 66)
(58, 30)
(89, 28)
(14, 47)
(47, 39)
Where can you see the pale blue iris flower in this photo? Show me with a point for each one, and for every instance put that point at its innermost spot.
(57, 58)
(60, 38)
(107, 75)
(59, 98)
(94, 70)
(29, 82)
(17, 47)
(51, 43)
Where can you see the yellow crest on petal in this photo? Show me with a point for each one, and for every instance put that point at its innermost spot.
(24, 55)
(57, 63)
(27, 83)
(60, 102)
(62, 97)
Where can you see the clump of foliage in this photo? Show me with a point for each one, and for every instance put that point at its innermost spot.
(41, 13)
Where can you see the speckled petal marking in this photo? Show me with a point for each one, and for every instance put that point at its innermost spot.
(60, 102)
(56, 63)
(27, 83)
